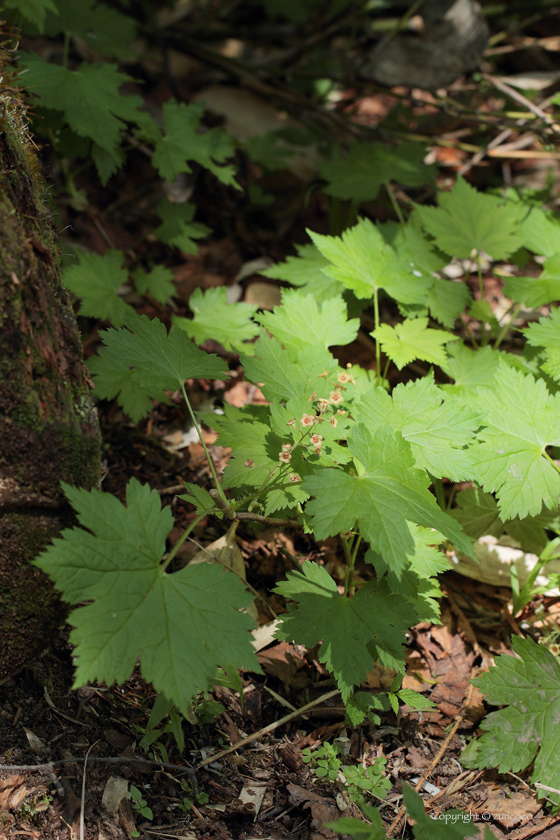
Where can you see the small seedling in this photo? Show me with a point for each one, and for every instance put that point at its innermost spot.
(139, 804)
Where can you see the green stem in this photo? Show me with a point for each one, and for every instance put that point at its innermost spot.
(507, 326)
(377, 345)
(554, 464)
(440, 492)
(451, 497)
(66, 50)
(485, 333)
(386, 369)
(350, 551)
(182, 538)
(394, 202)
(356, 547)
(217, 484)
(261, 492)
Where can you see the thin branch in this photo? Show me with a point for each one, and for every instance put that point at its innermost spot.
(266, 520)
(50, 765)
(270, 728)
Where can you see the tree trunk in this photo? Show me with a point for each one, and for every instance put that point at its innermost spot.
(49, 430)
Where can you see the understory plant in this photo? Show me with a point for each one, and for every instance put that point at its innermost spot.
(449, 432)
(337, 452)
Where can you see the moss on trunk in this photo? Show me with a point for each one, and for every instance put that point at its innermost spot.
(48, 425)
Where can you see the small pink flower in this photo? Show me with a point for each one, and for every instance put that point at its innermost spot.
(287, 447)
(341, 413)
(294, 477)
(334, 422)
(312, 397)
(335, 398)
(291, 422)
(343, 378)
(316, 440)
(249, 462)
(285, 457)
(308, 420)
(318, 450)
(323, 405)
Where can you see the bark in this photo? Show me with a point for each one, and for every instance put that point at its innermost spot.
(49, 430)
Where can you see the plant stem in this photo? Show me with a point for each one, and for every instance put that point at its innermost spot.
(507, 326)
(217, 484)
(260, 492)
(440, 492)
(485, 333)
(350, 557)
(66, 50)
(554, 464)
(182, 539)
(451, 497)
(394, 202)
(377, 345)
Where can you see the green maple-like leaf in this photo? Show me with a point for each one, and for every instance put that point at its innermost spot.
(546, 334)
(363, 261)
(438, 430)
(307, 270)
(349, 628)
(540, 233)
(160, 360)
(181, 625)
(199, 497)
(114, 379)
(181, 143)
(269, 151)
(388, 491)
(359, 175)
(177, 226)
(536, 291)
(34, 11)
(104, 30)
(90, 100)
(469, 368)
(301, 321)
(289, 373)
(520, 419)
(447, 300)
(229, 324)
(526, 730)
(478, 515)
(467, 220)
(95, 280)
(158, 283)
(413, 339)
(254, 441)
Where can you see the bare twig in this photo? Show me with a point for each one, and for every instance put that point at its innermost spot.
(61, 714)
(266, 520)
(83, 802)
(48, 766)
(270, 728)
(514, 94)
